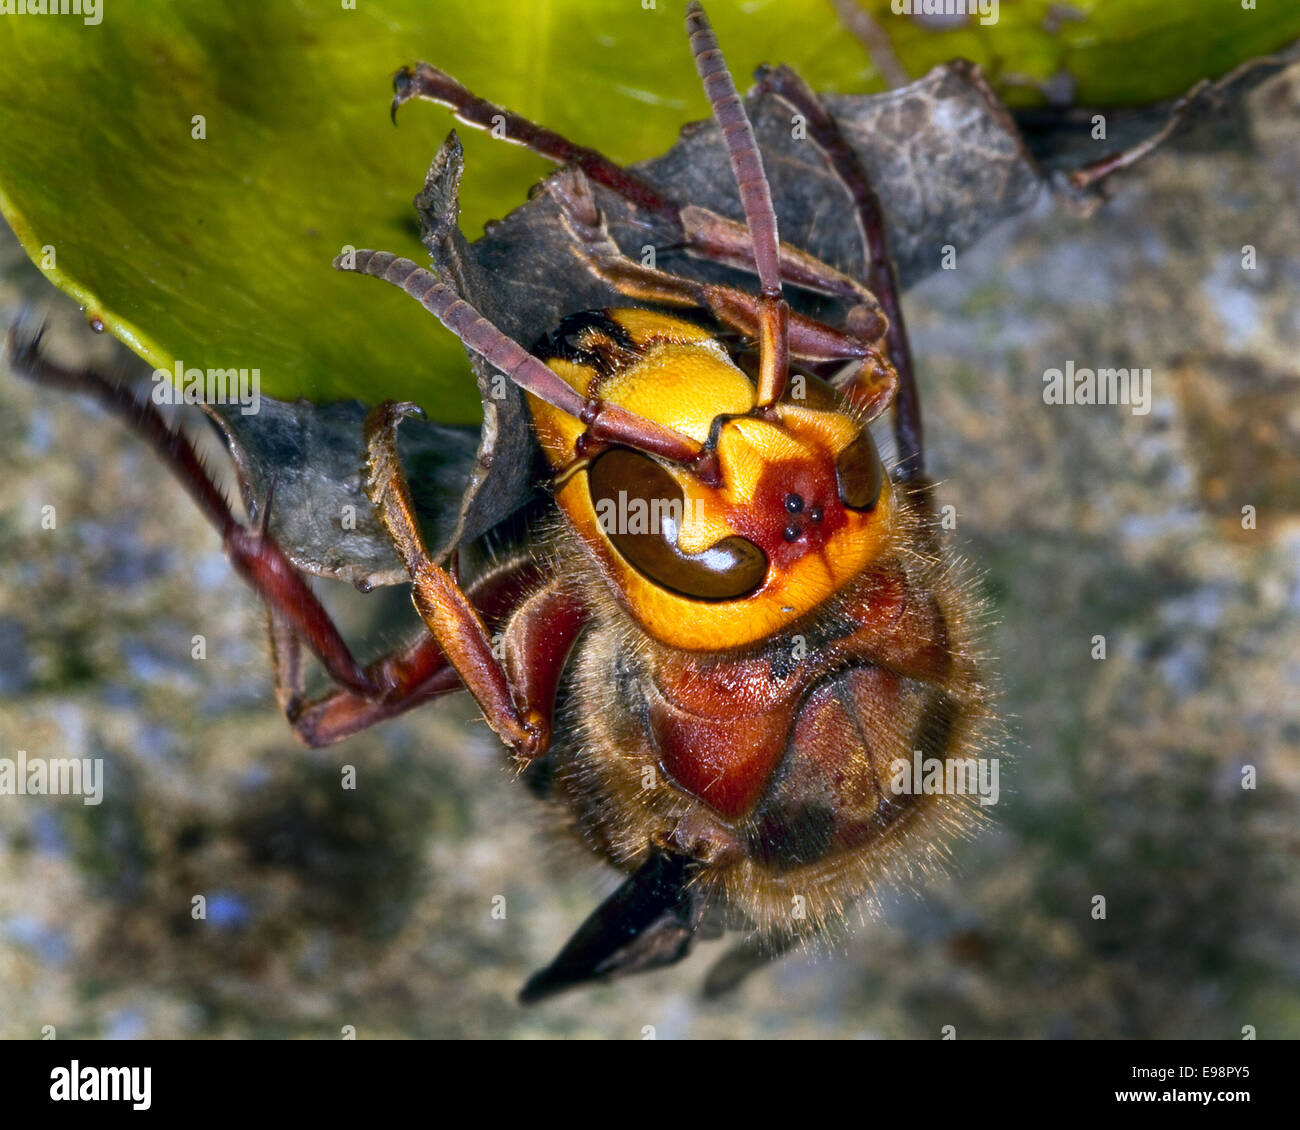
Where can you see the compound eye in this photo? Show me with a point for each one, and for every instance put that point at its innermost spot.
(859, 473)
(641, 507)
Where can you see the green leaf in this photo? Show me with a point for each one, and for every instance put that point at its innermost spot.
(215, 252)
(1094, 52)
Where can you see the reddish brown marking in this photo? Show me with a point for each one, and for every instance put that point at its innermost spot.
(875, 604)
(829, 730)
(539, 637)
(765, 519)
(721, 725)
(914, 641)
(845, 733)
(724, 688)
(726, 762)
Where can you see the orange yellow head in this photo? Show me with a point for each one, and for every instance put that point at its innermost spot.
(801, 506)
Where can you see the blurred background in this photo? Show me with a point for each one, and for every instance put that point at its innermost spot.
(373, 907)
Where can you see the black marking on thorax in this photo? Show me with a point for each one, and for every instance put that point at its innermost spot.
(591, 338)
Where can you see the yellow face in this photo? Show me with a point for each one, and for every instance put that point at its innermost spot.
(803, 505)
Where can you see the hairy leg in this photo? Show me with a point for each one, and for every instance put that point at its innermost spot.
(417, 673)
(701, 233)
(515, 686)
(361, 696)
(882, 278)
(605, 422)
(251, 550)
(870, 386)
